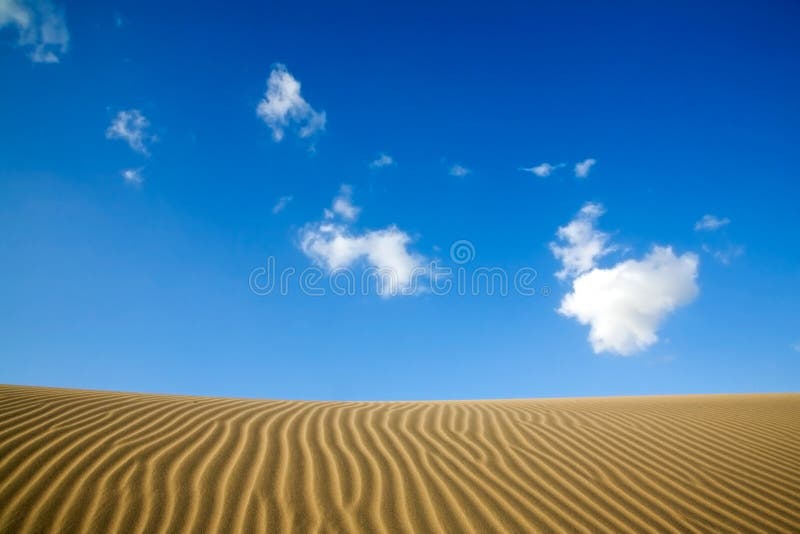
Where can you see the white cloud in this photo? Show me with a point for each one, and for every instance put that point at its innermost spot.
(626, 304)
(796, 346)
(131, 126)
(459, 170)
(342, 205)
(543, 170)
(710, 223)
(132, 176)
(582, 169)
(383, 160)
(41, 27)
(584, 243)
(284, 106)
(281, 204)
(334, 246)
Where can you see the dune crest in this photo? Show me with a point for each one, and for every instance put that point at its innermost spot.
(86, 461)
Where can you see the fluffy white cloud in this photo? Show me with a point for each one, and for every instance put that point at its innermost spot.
(281, 204)
(459, 170)
(625, 305)
(543, 170)
(710, 223)
(582, 169)
(383, 160)
(131, 126)
(333, 245)
(132, 176)
(41, 27)
(283, 106)
(584, 243)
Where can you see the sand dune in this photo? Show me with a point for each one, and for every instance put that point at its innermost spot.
(84, 461)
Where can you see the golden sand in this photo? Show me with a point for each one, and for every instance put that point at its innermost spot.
(86, 461)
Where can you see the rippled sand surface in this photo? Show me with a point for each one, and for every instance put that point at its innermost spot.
(86, 461)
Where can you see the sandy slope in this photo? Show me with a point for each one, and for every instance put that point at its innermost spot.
(73, 461)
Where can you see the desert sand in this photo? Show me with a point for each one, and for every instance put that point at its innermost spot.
(90, 461)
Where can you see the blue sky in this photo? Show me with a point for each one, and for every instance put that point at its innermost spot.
(141, 179)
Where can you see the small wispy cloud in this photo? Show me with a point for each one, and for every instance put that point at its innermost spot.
(283, 106)
(796, 346)
(342, 205)
(131, 126)
(281, 204)
(722, 250)
(41, 26)
(383, 160)
(582, 169)
(543, 170)
(710, 223)
(132, 176)
(726, 254)
(459, 170)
